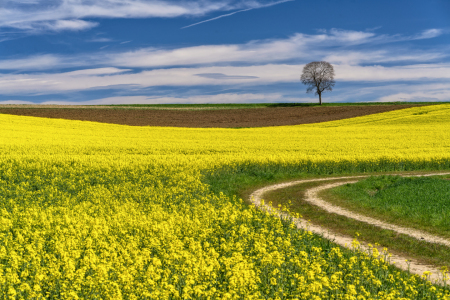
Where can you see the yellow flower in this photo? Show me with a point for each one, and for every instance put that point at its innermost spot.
(273, 281)
(125, 212)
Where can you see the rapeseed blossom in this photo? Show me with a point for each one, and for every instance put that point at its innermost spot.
(102, 211)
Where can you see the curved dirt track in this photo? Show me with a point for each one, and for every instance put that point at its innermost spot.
(402, 262)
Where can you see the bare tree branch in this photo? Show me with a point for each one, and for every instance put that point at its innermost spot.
(319, 77)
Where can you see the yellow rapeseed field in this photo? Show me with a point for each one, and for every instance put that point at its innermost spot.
(102, 211)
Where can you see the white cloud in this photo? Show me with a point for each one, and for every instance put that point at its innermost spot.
(100, 40)
(61, 14)
(298, 46)
(256, 63)
(395, 73)
(230, 75)
(57, 25)
(46, 61)
(252, 52)
(110, 77)
(336, 46)
(256, 6)
(255, 51)
(93, 72)
(199, 99)
(74, 25)
(351, 36)
(355, 57)
(222, 76)
(434, 92)
(428, 34)
(430, 96)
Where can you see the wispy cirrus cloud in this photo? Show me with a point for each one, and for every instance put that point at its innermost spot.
(429, 34)
(337, 46)
(299, 46)
(253, 64)
(425, 92)
(382, 56)
(56, 15)
(100, 40)
(101, 78)
(199, 99)
(224, 76)
(413, 72)
(35, 62)
(58, 25)
(255, 6)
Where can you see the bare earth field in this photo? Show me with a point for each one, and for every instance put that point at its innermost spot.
(224, 118)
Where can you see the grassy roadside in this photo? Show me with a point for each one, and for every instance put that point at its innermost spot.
(244, 183)
(417, 202)
(399, 244)
(242, 179)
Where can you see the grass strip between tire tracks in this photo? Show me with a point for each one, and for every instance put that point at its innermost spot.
(421, 203)
(399, 244)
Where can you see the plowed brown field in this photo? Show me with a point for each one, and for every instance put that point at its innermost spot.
(225, 118)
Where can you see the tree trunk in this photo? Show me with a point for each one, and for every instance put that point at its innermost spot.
(320, 98)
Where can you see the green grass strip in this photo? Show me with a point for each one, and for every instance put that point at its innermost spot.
(417, 202)
(399, 244)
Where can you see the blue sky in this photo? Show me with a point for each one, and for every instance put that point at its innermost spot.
(223, 51)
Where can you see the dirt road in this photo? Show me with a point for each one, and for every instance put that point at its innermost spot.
(403, 262)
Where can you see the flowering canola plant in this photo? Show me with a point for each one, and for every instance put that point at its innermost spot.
(103, 211)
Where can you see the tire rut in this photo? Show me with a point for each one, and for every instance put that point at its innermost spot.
(402, 262)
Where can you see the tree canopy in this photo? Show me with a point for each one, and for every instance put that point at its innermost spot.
(319, 77)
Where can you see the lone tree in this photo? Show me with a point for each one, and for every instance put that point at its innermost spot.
(319, 76)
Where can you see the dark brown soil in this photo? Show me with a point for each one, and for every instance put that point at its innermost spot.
(245, 117)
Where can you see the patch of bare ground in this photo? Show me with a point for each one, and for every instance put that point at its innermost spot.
(202, 118)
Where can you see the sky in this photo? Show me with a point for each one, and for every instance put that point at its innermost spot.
(222, 51)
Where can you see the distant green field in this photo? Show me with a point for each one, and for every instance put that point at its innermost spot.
(213, 106)
(421, 202)
(259, 105)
